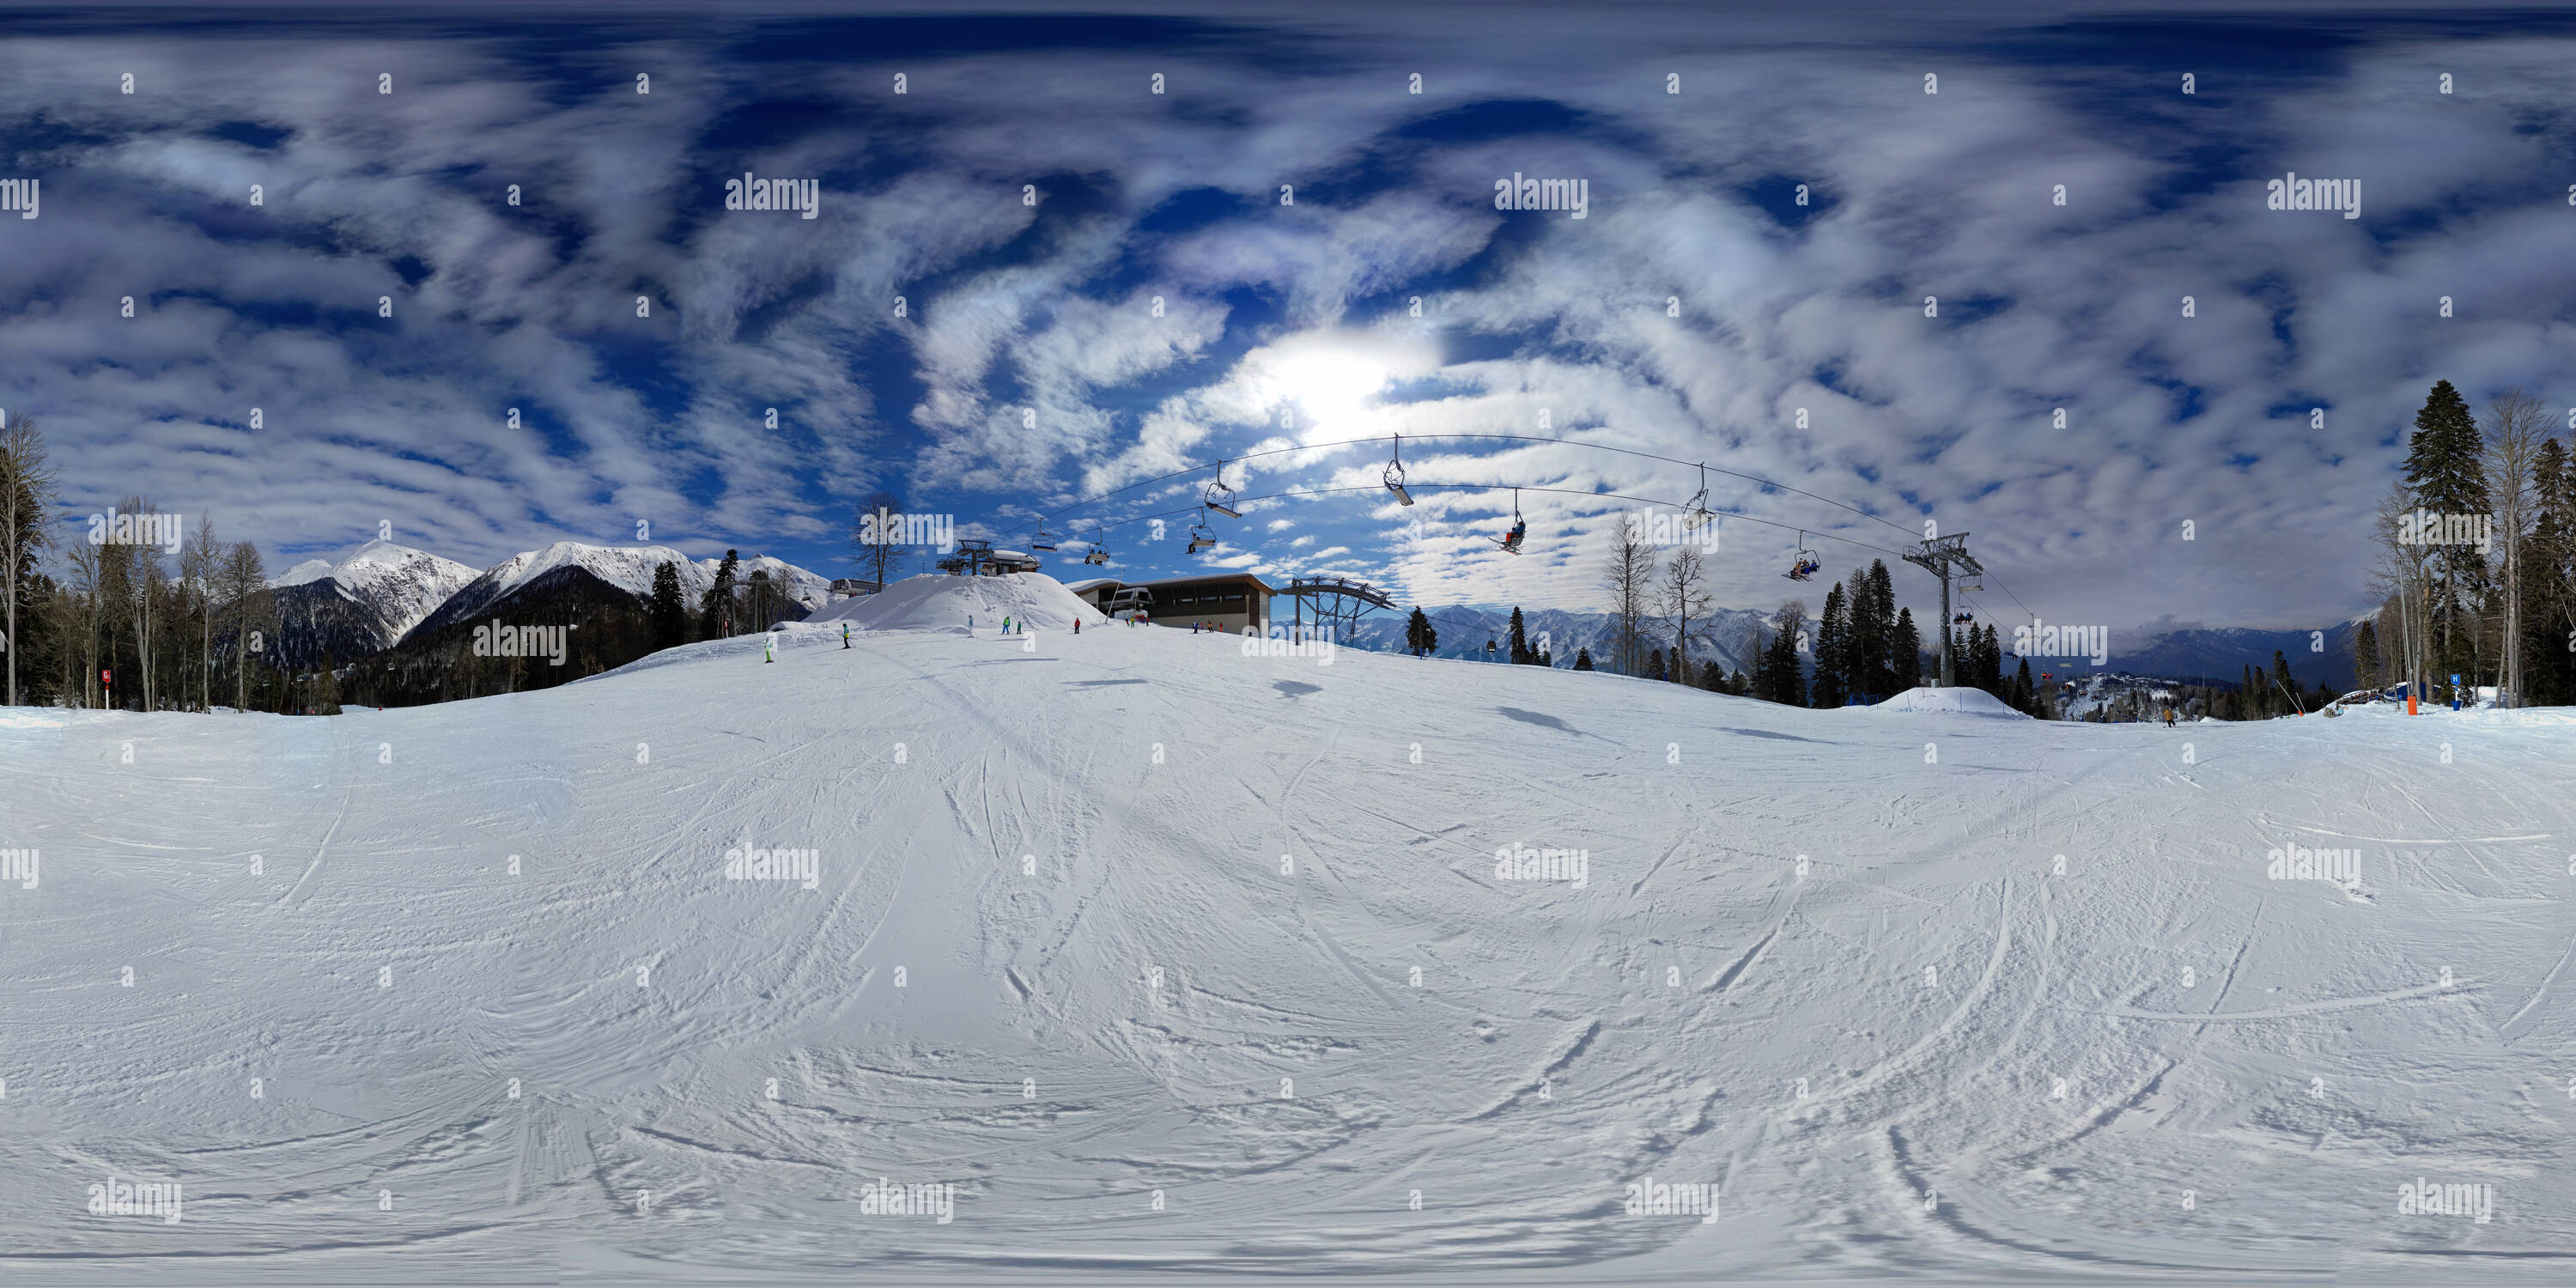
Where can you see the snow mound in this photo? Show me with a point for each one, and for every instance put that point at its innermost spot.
(940, 603)
(1959, 701)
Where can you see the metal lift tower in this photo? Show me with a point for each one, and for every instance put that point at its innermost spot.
(1945, 558)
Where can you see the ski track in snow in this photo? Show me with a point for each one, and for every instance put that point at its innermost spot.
(1062, 1045)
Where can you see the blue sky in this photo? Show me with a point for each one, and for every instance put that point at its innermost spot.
(1031, 369)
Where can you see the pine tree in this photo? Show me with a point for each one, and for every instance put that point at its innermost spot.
(668, 613)
(1904, 651)
(1737, 684)
(1777, 676)
(1519, 639)
(1582, 658)
(1419, 638)
(1872, 671)
(1833, 650)
(2281, 677)
(2365, 657)
(1655, 664)
(2443, 476)
(2549, 580)
(716, 609)
(2025, 695)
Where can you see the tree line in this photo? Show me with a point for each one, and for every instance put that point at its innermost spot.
(141, 628)
(2486, 590)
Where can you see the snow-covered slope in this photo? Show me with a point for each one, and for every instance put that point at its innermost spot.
(1174, 959)
(933, 602)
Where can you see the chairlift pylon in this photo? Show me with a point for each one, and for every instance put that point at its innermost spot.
(1395, 474)
(1806, 564)
(1217, 492)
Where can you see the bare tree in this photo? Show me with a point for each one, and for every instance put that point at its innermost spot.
(247, 607)
(876, 534)
(2516, 424)
(144, 593)
(87, 598)
(1630, 579)
(1683, 596)
(26, 489)
(2405, 578)
(198, 567)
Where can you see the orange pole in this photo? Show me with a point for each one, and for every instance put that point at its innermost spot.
(2410, 702)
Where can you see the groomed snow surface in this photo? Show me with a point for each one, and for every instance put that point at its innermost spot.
(1170, 958)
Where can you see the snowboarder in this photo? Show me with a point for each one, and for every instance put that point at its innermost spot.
(845, 634)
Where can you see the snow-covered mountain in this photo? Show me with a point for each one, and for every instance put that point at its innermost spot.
(362, 604)
(2189, 650)
(534, 574)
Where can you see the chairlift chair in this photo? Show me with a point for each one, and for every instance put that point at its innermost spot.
(1695, 512)
(1201, 537)
(1044, 540)
(1806, 564)
(1511, 542)
(1395, 474)
(1217, 494)
(1098, 554)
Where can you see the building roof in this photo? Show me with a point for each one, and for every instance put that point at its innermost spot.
(1089, 585)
